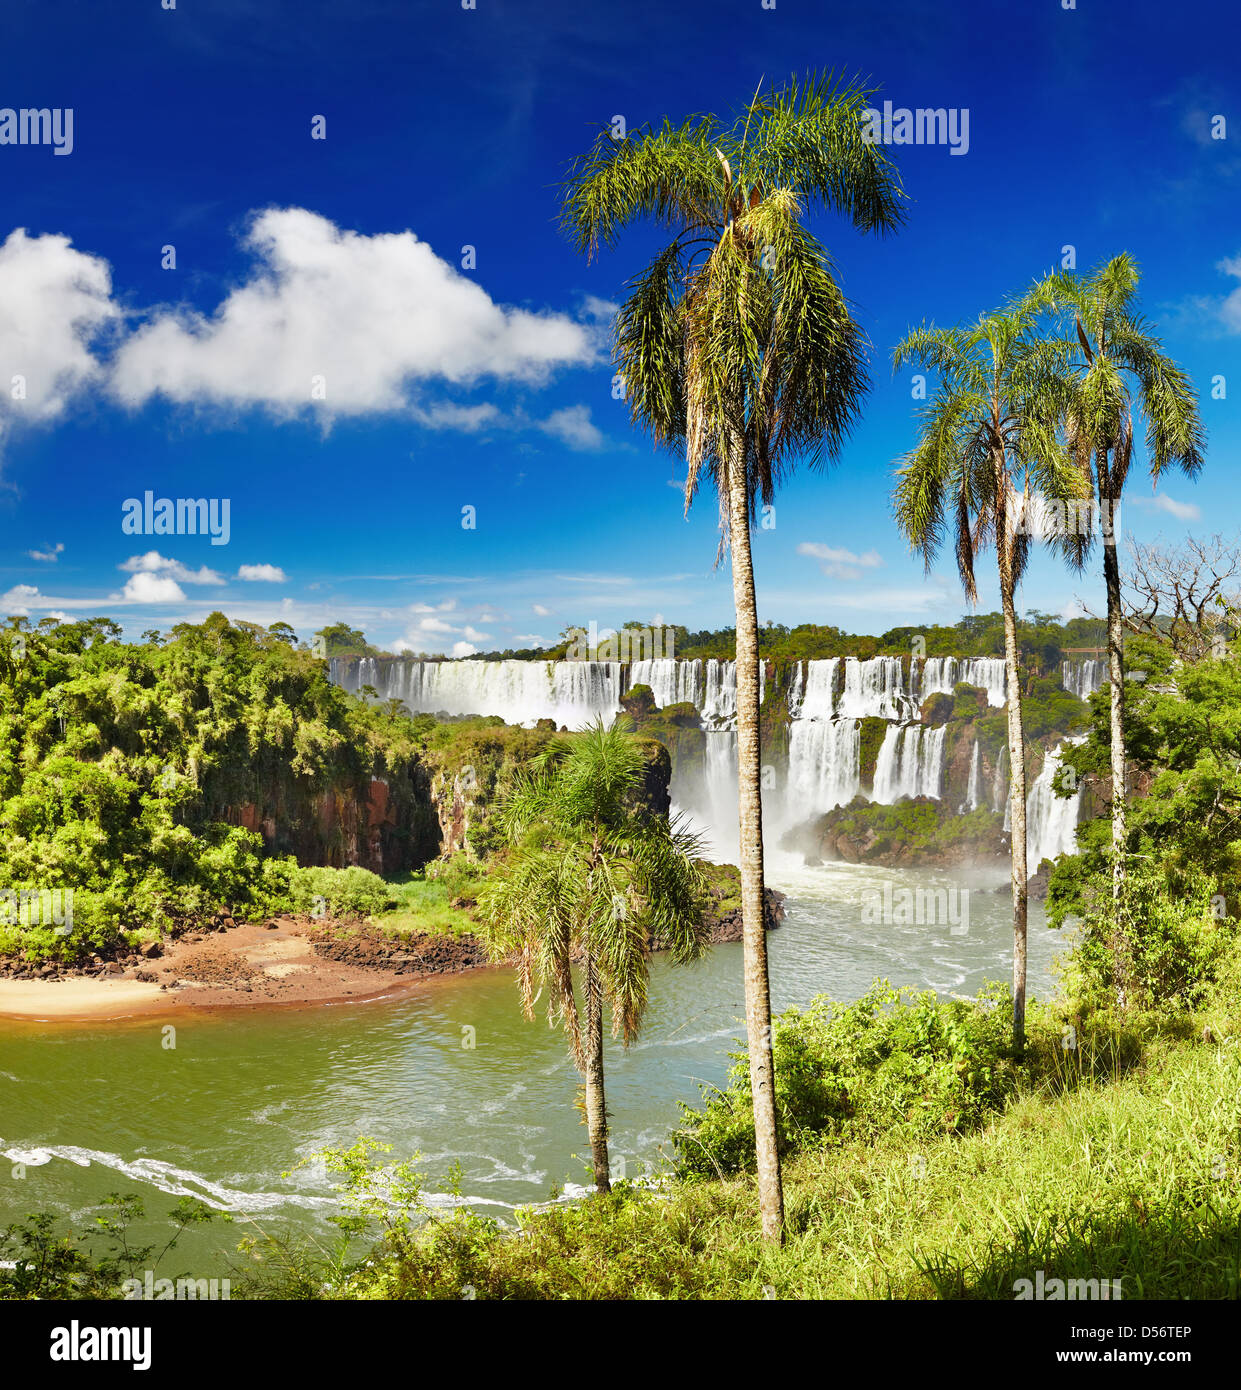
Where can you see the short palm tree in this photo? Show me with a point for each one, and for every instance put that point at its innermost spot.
(594, 878)
(988, 447)
(1120, 370)
(737, 348)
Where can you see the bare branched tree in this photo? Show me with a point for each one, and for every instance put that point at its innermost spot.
(1188, 594)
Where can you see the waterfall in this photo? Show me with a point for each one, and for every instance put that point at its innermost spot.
(827, 699)
(1051, 820)
(910, 762)
(874, 689)
(816, 694)
(672, 682)
(973, 790)
(824, 762)
(940, 675)
(1082, 678)
(999, 784)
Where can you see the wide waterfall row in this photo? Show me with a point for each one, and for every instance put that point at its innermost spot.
(827, 700)
(576, 692)
(573, 693)
(1082, 678)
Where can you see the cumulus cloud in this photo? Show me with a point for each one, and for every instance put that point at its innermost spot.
(838, 563)
(56, 304)
(573, 426)
(48, 556)
(18, 597)
(152, 588)
(261, 574)
(541, 611)
(155, 563)
(367, 316)
(463, 649)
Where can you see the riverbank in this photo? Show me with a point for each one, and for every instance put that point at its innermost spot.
(1110, 1173)
(285, 961)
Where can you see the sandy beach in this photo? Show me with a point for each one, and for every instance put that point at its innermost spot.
(287, 962)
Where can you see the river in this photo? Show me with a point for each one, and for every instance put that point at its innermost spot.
(245, 1096)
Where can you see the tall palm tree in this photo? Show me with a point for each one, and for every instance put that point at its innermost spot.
(592, 877)
(1120, 370)
(988, 447)
(737, 349)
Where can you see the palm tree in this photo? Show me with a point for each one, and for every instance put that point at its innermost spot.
(1121, 369)
(988, 447)
(736, 348)
(595, 877)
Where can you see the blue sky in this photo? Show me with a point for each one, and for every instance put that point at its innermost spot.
(489, 387)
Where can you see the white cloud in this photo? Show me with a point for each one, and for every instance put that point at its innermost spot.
(49, 556)
(463, 649)
(839, 563)
(469, 419)
(573, 426)
(155, 563)
(262, 574)
(541, 611)
(474, 635)
(530, 639)
(370, 315)
(1161, 502)
(17, 598)
(435, 625)
(1229, 307)
(1215, 313)
(152, 588)
(57, 302)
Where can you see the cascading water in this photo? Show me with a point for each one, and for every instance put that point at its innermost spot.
(824, 761)
(874, 689)
(826, 700)
(572, 693)
(1082, 678)
(940, 675)
(973, 790)
(813, 694)
(1051, 820)
(910, 763)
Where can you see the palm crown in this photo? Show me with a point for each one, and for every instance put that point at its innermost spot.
(1119, 354)
(737, 334)
(989, 451)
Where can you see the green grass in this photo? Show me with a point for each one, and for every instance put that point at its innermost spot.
(1099, 1170)
(425, 906)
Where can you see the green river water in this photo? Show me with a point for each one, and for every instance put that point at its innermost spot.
(86, 1110)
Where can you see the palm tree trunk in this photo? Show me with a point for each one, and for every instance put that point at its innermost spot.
(1017, 791)
(596, 1105)
(750, 856)
(1116, 675)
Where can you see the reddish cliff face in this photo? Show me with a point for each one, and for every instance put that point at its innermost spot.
(379, 826)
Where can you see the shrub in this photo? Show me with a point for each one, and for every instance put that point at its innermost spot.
(896, 1060)
(351, 892)
(1177, 937)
